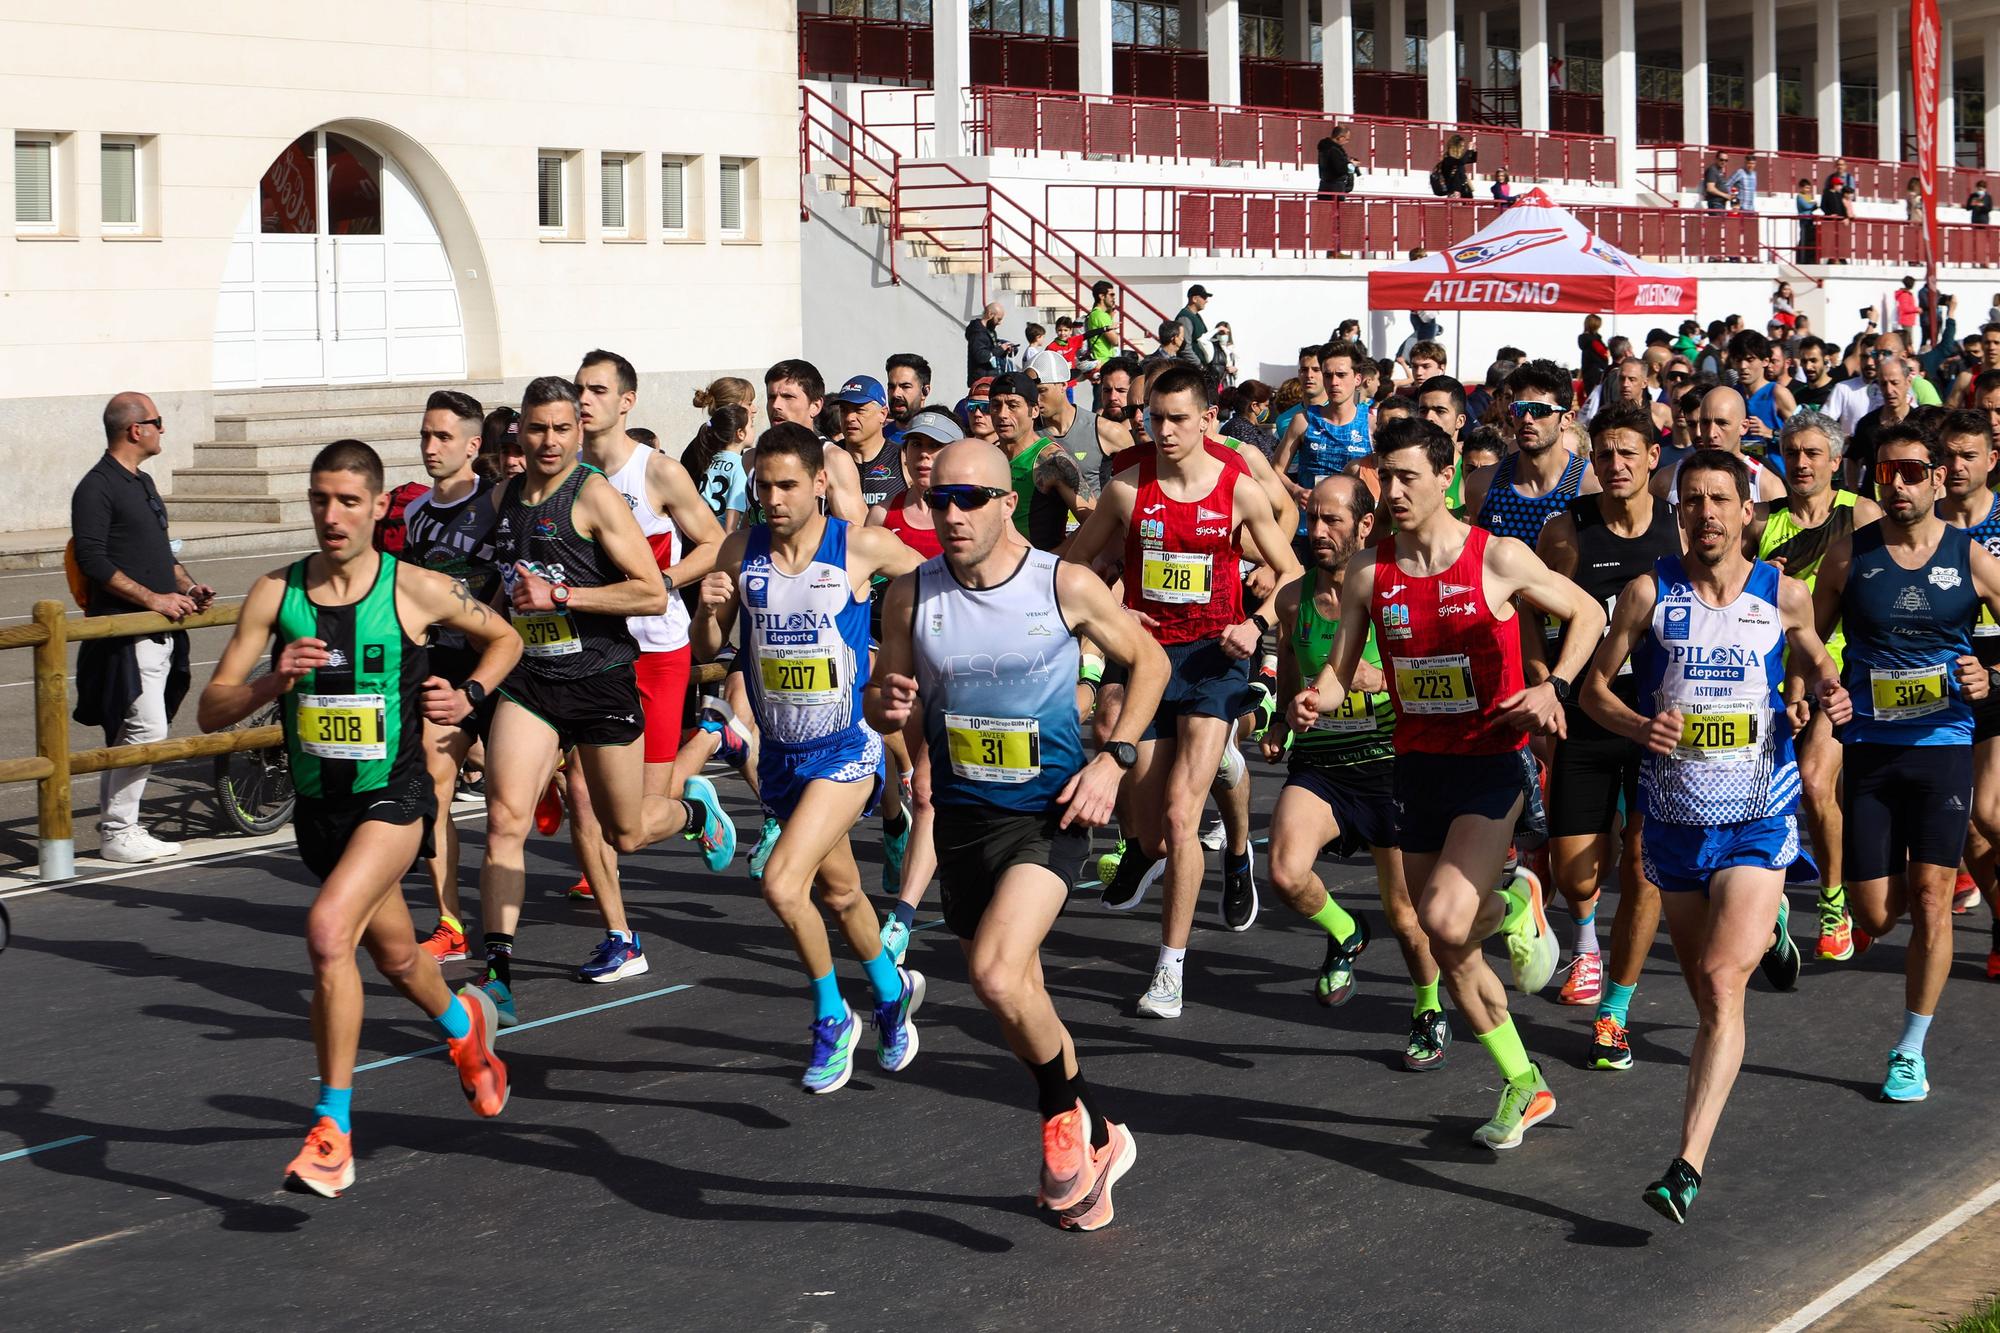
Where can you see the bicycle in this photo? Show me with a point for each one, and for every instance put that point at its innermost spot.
(254, 787)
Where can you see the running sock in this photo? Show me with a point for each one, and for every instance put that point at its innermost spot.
(1053, 1095)
(500, 958)
(1915, 1026)
(1335, 921)
(883, 976)
(905, 913)
(1617, 1002)
(1237, 863)
(1586, 931)
(1833, 897)
(1427, 997)
(894, 827)
(1517, 906)
(452, 921)
(1173, 960)
(1504, 1045)
(455, 1022)
(1100, 1128)
(696, 814)
(335, 1104)
(826, 998)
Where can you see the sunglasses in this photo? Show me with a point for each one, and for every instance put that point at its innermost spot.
(981, 405)
(157, 423)
(1908, 471)
(1539, 411)
(967, 498)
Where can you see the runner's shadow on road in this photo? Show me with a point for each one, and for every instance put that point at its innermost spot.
(1863, 1088)
(274, 989)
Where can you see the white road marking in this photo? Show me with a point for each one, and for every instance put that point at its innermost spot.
(17, 684)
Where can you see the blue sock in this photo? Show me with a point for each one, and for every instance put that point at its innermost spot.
(454, 1022)
(826, 998)
(884, 977)
(905, 913)
(334, 1104)
(1236, 861)
(1617, 1002)
(1915, 1026)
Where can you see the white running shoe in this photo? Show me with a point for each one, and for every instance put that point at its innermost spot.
(1531, 945)
(1163, 998)
(1212, 835)
(135, 846)
(1232, 770)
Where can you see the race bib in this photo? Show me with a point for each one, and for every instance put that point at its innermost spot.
(1441, 684)
(1910, 692)
(1717, 736)
(799, 675)
(994, 749)
(547, 634)
(1175, 576)
(1356, 714)
(1985, 627)
(342, 726)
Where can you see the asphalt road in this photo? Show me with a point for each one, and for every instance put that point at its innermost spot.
(659, 1167)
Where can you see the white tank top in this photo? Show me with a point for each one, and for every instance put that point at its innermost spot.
(661, 633)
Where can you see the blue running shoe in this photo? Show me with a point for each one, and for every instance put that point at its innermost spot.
(503, 999)
(892, 855)
(895, 1034)
(767, 842)
(717, 835)
(833, 1053)
(1906, 1081)
(737, 744)
(895, 939)
(614, 959)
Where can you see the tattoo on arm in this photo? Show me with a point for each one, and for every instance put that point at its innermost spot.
(467, 602)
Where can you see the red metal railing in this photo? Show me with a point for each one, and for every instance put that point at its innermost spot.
(1779, 173)
(857, 48)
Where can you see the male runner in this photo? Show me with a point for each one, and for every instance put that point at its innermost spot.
(683, 533)
(448, 529)
(1601, 543)
(1985, 395)
(1795, 538)
(1705, 635)
(577, 565)
(352, 680)
(1439, 596)
(907, 377)
(1718, 423)
(1766, 402)
(794, 391)
(1537, 481)
(1338, 791)
(1908, 588)
(1324, 440)
(1186, 514)
(804, 579)
(863, 412)
(1047, 480)
(985, 637)
(1092, 440)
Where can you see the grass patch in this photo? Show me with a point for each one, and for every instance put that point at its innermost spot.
(1983, 1319)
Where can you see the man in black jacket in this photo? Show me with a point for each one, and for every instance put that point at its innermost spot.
(1336, 168)
(985, 354)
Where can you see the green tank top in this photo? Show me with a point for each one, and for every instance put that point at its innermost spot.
(353, 726)
(1360, 731)
(1804, 548)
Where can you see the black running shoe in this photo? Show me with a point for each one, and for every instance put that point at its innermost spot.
(1673, 1193)
(1127, 888)
(1336, 975)
(1239, 894)
(1782, 961)
(1430, 1034)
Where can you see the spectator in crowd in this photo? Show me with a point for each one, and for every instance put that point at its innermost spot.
(1068, 342)
(1783, 309)
(1173, 335)
(1350, 329)
(1222, 365)
(1336, 168)
(1502, 188)
(1980, 203)
(1714, 184)
(1195, 348)
(1450, 178)
(1742, 186)
(1805, 203)
(500, 452)
(1993, 311)
(985, 353)
(1248, 416)
(1906, 309)
(130, 686)
(1038, 341)
(1913, 199)
(1100, 326)
(1593, 357)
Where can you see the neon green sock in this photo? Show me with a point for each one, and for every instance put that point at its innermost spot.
(1334, 920)
(1427, 997)
(1833, 897)
(1517, 907)
(1504, 1045)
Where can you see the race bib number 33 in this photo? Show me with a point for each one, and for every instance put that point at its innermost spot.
(1441, 684)
(994, 749)
(342, 726)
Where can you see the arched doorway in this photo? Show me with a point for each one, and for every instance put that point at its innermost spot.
(337, 274)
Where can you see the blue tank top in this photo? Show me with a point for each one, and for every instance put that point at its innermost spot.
(1985, 631)
(806, 640)
(1328, 448)
(1505, 512)
(1763, 405)
(1906, 628)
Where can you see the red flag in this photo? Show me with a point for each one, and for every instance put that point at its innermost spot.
(1925, 39)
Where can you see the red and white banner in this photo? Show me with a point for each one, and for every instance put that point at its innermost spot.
(1925, 38)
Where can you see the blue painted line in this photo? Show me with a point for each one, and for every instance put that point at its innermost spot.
(44, 1147)
(537, 1023)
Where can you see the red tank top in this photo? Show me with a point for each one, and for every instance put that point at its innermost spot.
(1181, 561)
(1448, 660)
(924, 541)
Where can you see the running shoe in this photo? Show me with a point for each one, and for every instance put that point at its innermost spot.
(1263, 705)
(1531, 944)
(1522, 1106)
(1609, 1046)
(1126, 889)
(325, 1166)
(549, 811)
(481, 1076)
(1163, 998)
(767, 842)
(736, 744)
(1863, 941)
(1782, 961)
(894, 845)
(1239, 894)
(1836, 934)
(1430, 1036)
(502, 997)
(1673, 1193)
(717, 834)
(614, 959)
(581, 890)
(895, 938)
(833, 1053)
(1232, 770)
(1107, 864)
(895, 1034)
(1585, 982)
(446, 944)
(1963, 894)
(1906, 1081)
(1335, 985)
(1108, 1166)
(1214, 834)
(1993, 955)
(1065, 1159)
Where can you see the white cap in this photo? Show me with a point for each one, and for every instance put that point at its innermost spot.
(1049, 368)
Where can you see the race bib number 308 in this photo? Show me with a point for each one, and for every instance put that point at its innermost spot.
(343, 726)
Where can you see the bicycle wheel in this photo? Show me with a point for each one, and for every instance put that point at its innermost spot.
(254, 787)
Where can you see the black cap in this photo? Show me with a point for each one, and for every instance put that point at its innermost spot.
(1198, 290)
(1658, 338)
(1016, 383)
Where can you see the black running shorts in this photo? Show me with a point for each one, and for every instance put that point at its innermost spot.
(1904, 803)
(603, 709)
(1431, 790)
(324, 828)
(977, 844)
(1360, 797)
(1586, 778)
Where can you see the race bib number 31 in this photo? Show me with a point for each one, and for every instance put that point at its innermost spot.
(1912, 692)
(342, 726)
(1176, 577)
(547, 634)
(994, 749)
(1440, 684)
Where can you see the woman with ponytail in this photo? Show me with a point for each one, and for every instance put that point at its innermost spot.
(715, 457)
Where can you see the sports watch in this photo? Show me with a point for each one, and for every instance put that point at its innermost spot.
(1123, 753)
(559, 594)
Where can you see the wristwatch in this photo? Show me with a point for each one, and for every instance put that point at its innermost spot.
(474, 692)
(1263, 625)
(1123, 753)
(559, 594)
(1561, 687)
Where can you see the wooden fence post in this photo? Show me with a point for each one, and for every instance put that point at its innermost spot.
(52, 812)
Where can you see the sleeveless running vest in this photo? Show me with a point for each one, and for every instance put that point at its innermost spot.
(896, 518)
(1985, 633)
(1506, 512)
(560, 645)
(806, 641)
(454, 539)
(1763, 405)
(1803, 549)
(1362, 729)
(1329, 447)
(1181, 561)
(669, 630)
(1723, 668)
(355, 725)
(1905, 627)
(1450, 661)
(882, 475)
(1605, 563)
(1080, 442)
(996, 668)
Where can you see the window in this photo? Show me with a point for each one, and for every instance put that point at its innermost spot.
(900, 11)
(35, 198)
(118, 183)
(1042, 17)
(1263, 37)
(549, 189)
(1146, 22)
(734, 215)
(674, 196)
(611, 211)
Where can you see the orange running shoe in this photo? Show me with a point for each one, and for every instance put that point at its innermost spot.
(446, 944)
(1964, 894)
(1585, 983)
(1065, 1159)
(549, 811)
(1839, 941)
(481, 1075)
(1108, 1166)
(581, 890)
(325, 1166)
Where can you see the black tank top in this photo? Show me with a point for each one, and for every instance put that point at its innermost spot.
(882, 476)
(454, 539)
(566, 645)
(1605, 563)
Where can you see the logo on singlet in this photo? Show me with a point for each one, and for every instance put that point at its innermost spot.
(1676, 626)
(545, 527)
(1396, 621)
(755, 589)
(1912, 602)
(1943, 578)
(335, 659)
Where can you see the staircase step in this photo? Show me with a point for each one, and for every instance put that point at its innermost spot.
(322, 424)
(316, 397)
(204, 481)
(247, 510)
(396, 450)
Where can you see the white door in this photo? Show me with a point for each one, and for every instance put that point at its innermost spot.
(337, 275)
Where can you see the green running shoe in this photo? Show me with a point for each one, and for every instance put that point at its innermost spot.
(1107, 864)
(766, 844)
(1673, 1193)
(1430, 1035)
(1782, 961)
(1523, 1105)
(1336, 974)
